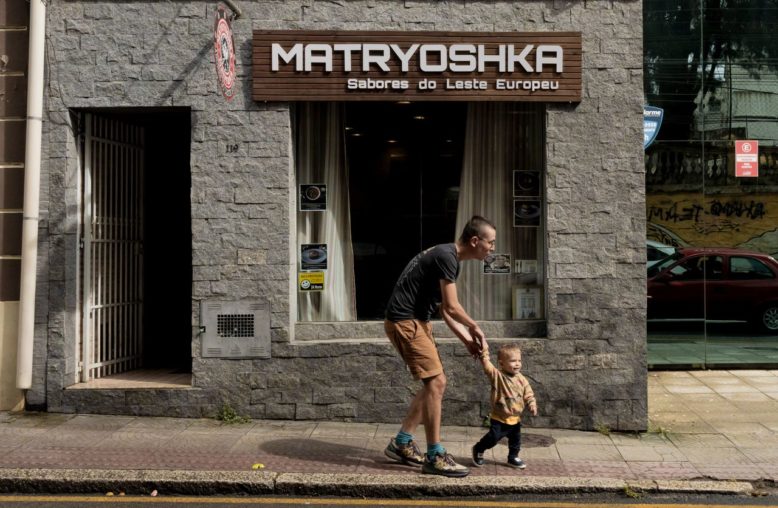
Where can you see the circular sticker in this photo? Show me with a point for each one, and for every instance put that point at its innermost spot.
(224, 52)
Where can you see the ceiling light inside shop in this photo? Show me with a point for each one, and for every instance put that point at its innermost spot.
(356, 134)
(419, 117)
(403, 102)
(392, 141)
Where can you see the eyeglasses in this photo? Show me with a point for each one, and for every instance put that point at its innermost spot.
(490, 243)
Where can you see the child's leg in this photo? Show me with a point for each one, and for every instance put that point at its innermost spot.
(496, 432)
(514, 440)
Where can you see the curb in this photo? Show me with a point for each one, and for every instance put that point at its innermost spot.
(140, 482)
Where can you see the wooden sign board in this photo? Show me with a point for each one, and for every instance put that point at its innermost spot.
(292, 65)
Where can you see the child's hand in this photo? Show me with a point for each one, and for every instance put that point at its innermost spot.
(534, 410)
(484, 353)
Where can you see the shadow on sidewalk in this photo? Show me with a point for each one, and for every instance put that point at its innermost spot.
(343, 456)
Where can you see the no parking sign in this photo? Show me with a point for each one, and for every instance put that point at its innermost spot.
(747, 158)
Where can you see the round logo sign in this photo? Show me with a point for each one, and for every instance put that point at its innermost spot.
(224, 52)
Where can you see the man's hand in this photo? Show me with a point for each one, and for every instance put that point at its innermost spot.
(478, 335)
(473, 348)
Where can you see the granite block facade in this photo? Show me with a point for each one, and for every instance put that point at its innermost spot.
(587, 361)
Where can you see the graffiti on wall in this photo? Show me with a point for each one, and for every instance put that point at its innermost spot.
(745, 221)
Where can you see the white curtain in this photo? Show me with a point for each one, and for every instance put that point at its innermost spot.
(499, 138)
(320, 158)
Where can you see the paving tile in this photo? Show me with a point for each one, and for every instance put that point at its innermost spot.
(599, 469)
(700, 440)
(86, 423)
(753, 373)
(334, 429)
(283, 428)
(588, 452)
(692, 388)
(771, 471)
(699, 455)
(564, 436)
(687, 426)
(160, 423)
(651, 454)
(763, 454)
(740, 428)
(548, 453)
(664, 470)
(750, 396)
(136, 440)
(731, 471)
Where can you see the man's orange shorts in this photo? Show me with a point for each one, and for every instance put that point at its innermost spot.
(413, 340)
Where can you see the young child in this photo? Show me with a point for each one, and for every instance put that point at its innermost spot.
(510, 393)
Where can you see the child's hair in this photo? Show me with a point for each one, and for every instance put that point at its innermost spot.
(507, 349)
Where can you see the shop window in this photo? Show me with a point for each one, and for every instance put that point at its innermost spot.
(377, 183)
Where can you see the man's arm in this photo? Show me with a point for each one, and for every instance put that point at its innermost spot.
(451, 306)
(461, 332)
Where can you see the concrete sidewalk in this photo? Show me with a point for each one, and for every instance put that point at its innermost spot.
(711, 431)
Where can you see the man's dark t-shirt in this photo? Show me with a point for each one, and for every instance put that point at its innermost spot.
(417, 292)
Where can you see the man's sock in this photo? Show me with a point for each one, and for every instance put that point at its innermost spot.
(403, 438)
(435, 449)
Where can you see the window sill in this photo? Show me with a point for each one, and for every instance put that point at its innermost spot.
(348, 330)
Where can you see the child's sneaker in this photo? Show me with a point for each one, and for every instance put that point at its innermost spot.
(478, 458)
(516, 462)
(444, 464)
(405, 453)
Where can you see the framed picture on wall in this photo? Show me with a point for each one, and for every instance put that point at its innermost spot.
(526, 303)
(526, 213)
(313, 197)
(313, 256)
(526, 184)
(497, 263)
(526, 266)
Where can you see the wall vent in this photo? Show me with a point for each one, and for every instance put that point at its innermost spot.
(235, 329)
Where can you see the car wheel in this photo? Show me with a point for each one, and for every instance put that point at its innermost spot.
(768, 318)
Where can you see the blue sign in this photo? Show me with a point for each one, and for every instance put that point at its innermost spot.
(652, 120)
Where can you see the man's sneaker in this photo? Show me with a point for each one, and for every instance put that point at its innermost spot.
(516, 462)
(444, 465)
(405, 453)
(478, 458)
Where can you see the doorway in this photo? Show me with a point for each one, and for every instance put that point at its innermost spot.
(137, 253)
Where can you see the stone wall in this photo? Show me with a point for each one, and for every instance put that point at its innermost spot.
(588, 370)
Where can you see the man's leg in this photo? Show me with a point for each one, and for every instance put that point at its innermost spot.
(431, 406)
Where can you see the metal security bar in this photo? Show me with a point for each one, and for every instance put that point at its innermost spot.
(113, 247)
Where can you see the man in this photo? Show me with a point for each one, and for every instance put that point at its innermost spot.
(426, 285)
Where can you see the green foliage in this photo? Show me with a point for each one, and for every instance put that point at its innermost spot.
(230, 416)
(631, 493)
(602, 429)
(657, 429)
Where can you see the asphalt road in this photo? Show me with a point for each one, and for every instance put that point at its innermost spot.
(572, 501)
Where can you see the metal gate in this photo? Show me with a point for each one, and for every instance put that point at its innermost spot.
(112, 247)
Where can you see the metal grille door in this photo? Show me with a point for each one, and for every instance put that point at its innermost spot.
(113, 247)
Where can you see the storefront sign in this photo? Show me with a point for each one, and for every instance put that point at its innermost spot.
(652, 121)
(747, 158)
(445, 66)
(224, 52)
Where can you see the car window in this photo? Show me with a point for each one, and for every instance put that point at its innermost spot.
(690, 269)
(741, 268)
(661, 265)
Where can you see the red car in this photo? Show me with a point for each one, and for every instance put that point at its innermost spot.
(734, 285)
